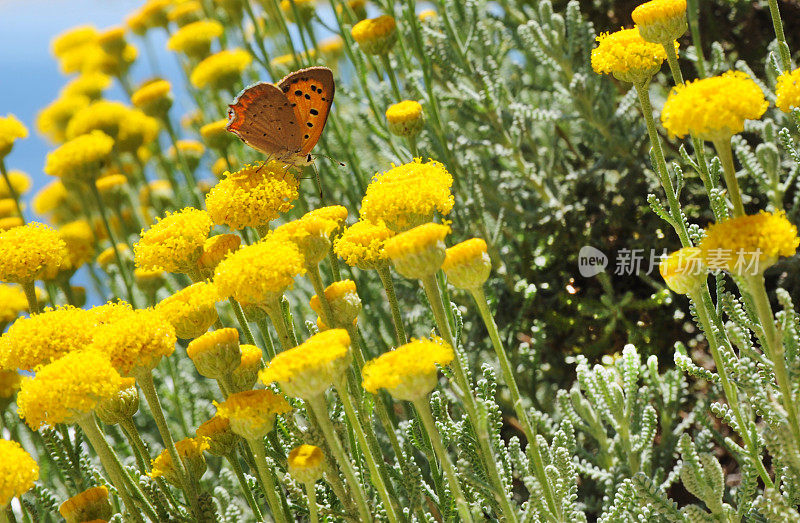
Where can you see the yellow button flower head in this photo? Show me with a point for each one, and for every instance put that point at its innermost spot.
(12, 222)
(282, 63)
(88, 505)
(174, 243)
(344, 301)
(627, 56)
(90, 85)
(195, 39)
(216, 249)
(714, 108)
(183, 13)
(361, 245)
(408, 372)
(222, 70)
(336, 213)
(749, 244)
(73, 38)
(684, 271)
(8, 207)
(311, 234)
(420, 252)
(375, 35)
(216, 134)
(52, 121)
(12, 303)
(80, 159)
(332, 48)
(192, 311)
(407, 195)
(153, 98)
(245, 376)
(190, 451)
(112, 40)
(102, 115)
(67, 389)
(259, 273)
(29, 252)
(111, 187)
(79, 239)
(20, 182)
(11, 129)
(18, 471)
(661, 21)
(252, 413)
(108, 257)
(405, 118)
(121, 406)
(137, 130)
(216, 354)
(787, 91)
(467, 264)
(305, 8)
(136, 341)
(307, 370)
(152, 14)
(191, 150)
(306, 463)
(428, 16)
(9, 382)
(252, 196)
(219, 436)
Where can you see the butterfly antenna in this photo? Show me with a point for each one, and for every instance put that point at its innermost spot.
(334, 160)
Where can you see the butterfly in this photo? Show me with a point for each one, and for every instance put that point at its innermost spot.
(284, 120)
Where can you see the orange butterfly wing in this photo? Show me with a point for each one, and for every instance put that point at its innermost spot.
(263, 118)
(310, 93)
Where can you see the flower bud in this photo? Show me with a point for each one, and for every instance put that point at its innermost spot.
(419, 252)
(219, 436)
(661, 21)
(344, 301)
(405, 118)
(215, 249)
(375, 35)
(154, 98)
(121, 406)
(467, 264)
(89, 505)
(190, 451)
(306, 463)
(684, 270)
(216, 354)
(245, 376)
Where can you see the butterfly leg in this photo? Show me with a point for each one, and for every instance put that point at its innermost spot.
(319, 186)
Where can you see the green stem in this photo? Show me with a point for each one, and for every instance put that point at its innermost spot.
(312, 271)
(392, 78)
(783, 47)
(140, 451)
(725, 153)
(397, 319)
(273, 309)
(424, 412)
(267, 482)
(672, 60)
(7, 514)
(187, 172)
(30, 293)
(694, 28)
(233, 461)
(263, 326)
(320, 409)
(240, 317)
(311, 494)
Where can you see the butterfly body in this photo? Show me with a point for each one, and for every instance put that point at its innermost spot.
(284, 120)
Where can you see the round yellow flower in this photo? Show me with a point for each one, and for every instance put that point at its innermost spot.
(344, 301)
(305, 8)
(20, 182)
(405, 118)
(29, 252)
(216, 354)
(375, 35)
(190, 452)
(331, 48)
(90, 85)
(222, 70)
(136, 341)
(661, 21)
(52, 121)
(307, 370)
(684, 271)
(428, 16)
(216, 249)
(108, 257)
(8, 207)
(259, 273)
(408, 372)
(216, 134)
(174, 243)
(191, 150)
(245, 376)
(9, 383)
(88, 505)
(306, 463)
(283, 62)
(12, 303)
(420, 252)
(153, 98)
(11, 222)
(252, 413)
(252, 196)
(152, 14)
(192, 311)
(749, 245)
(407, 195)
(11, 130)
(219, 436)
(121, 406)
(787, 91)
(627, 56)
(79, 239)
(194, 39)
(80, 158)
(361, 245)
(73, 38)
(186, 12)
(311, 234)
(67, 389)
(18, 471)
(112, 40)
(103, 115)
(467, 264)
(714, 108)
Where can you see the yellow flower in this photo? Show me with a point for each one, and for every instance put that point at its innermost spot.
(420, 252)
(11, 222)
(111, 187)
(467, 264)
(109, 256)
(216, 134)
(222, 70)
(252, 412)
(405, 118)
(102, 115)
(245, 376)
(8, 207)
(375, 35)
(259, 273)
(50, 197)
(121, 406)
(136, 341)
(713, 108)
(344, 301)
(627, 56)
(749, 244)
(153, 98)
(661, 21)
(149, 281)
(12, 303)
(311, 234)
(52, 121)
(428, 16)
(90, 85)
(88, 505)
(190, 452)
(20, 182)
(684, 271)
(282, 62)
(361, 245)
(18, 471)
(112, 40)
(175, 242)
(216, 354)
(79, 239)
(305, 8)
(194, 39)
(29, 252)
(332, 47)
(408, 372)
(67, 389)
(11, 129)
(192, 311)
(80, 158)
(185, 12)
(787, 91)
(219, 436)
(252, 196)
(307, 370)
(306, 463)
(191, 150)
(407, 195)
(152, 14)
(73, 38)
(216, 249)
(9, 382)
